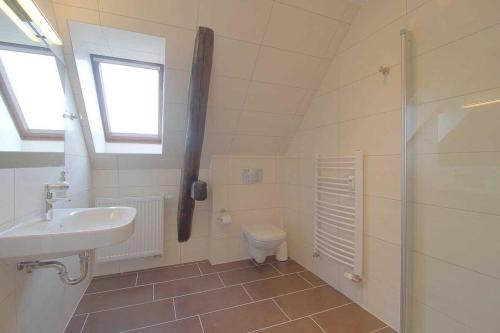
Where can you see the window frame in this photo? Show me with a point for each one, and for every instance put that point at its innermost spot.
(110, 136)
(9, 97)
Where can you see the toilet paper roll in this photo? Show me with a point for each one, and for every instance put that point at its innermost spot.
(226, 219)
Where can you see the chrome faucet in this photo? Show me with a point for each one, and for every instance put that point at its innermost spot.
(51, 191)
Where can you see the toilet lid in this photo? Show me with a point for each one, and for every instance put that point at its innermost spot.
(264, 232)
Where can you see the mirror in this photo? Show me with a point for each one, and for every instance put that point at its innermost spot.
(32, 100)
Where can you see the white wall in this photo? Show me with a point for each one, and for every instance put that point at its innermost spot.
(40, 302)
(118, 182)
(269, 57)
(256, 203)
(246, 203)
(355, 108)
(455, 61)
(262, 79)
(454, 166)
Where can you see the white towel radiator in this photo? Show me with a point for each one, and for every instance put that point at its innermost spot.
(339, 211)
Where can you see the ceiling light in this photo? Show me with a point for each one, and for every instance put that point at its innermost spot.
(478, 104)
(17, 21)
(40, 21)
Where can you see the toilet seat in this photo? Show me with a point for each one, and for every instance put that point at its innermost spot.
(264, 232)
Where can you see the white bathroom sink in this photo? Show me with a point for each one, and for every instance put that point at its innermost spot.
(69, 232)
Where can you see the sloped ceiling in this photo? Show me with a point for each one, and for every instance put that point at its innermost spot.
(270, 56)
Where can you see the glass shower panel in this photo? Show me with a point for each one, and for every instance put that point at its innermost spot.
(453, 170)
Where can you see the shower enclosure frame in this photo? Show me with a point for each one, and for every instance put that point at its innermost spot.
(405, 35)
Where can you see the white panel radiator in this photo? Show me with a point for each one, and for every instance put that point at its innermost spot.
(147, 239)
(339, 211)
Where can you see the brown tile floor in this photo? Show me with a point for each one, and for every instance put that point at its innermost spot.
(274, 297)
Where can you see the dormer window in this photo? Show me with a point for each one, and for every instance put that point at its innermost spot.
(130, 96)
(31, 90)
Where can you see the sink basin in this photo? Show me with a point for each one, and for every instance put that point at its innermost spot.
(69, 232)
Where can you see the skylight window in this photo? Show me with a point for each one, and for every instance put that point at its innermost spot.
(31, 88)
(130, 95)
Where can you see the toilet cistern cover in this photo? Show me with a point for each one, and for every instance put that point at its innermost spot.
(264, 232)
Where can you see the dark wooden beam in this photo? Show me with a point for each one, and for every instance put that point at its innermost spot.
(197, 110)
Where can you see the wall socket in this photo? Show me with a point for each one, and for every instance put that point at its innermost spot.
(252, 176)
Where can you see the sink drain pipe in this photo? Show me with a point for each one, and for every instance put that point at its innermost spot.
(61, 268)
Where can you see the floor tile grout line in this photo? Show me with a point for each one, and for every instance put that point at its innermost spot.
(199, 292)
(259, 301)
(236, 306)
(84, 323)
(228, 270)
(157, 324)
(119, 289)
(149, 284)
(380, 329)
(303, 278)
(281, 309)
(326, 310)
(175, 311)
(125, 306)
(296, 319)
(199, 269)
(248, 294)
(145, 270)
(257, 330)
(277, 270)
(201, 324)
(221, 281)
(261, 279)
(317, 324)
(176, 266)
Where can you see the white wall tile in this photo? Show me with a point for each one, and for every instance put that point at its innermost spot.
(474, 306)
(90, 4)
(435, 24)
(221, 120)
(7, 197)
(234, 58)
(447, 234)
(364, 59)
(454, 180)
(273, 98)
(243, 20)
(473, 68)
(283, 67)
(180, 13)
(297, 30)
(176, 86)
(255, 145)
(372, 16)
(383, 219)
(179, 41)
(332, 8)
(375, 135)
(227, 92)
(8, 316)
(271, 124)
(427, 320)
(148, 177)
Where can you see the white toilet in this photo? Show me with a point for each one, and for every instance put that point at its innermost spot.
(264, 240)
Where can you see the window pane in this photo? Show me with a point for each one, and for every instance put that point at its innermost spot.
(131, 96)
(37, 88)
